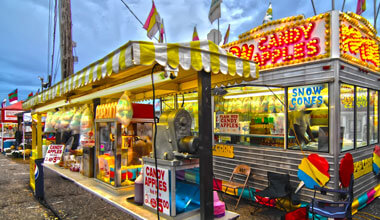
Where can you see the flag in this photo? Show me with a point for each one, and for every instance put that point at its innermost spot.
(162, 31)
(227, 35)
(153, 22)
(12, 97)
(360, 7)
(268, 16)
(3, 103)
(30, 95)
(195, 34)
(214, 12)
(38, 92)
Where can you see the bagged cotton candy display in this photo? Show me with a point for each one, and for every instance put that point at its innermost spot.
(48, 123)
(57, 119)
(124, 111)
(75, 121)
(87, 128)
(66, 119)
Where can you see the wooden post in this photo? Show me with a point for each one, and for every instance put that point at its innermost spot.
(66, 43)
(205, 148)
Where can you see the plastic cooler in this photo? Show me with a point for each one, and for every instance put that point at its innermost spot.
(9, 143)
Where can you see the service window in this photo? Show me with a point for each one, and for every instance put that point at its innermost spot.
(373, 116)
(347, 97)
(250, 115)
(361, 116)
(308, 117)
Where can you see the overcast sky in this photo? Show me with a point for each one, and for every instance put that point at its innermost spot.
(101, 26)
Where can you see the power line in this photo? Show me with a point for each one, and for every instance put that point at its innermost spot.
(49, 41)
(134, 15)
(57, 64)
(55, 27)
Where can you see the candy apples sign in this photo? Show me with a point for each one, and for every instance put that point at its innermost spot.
(290, 43)
(150, 188)
(358, 41)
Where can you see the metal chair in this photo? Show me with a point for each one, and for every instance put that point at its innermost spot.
(339, 209)
(241, 169)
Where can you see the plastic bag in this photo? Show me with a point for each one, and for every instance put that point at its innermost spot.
(124, 110)
(87, 128)
(66, 119)
(75, 121)
(57, 119)
(48, 123)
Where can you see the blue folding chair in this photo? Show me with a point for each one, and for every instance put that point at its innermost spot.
(338, 209)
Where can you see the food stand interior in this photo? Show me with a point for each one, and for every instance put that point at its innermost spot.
(337, 94)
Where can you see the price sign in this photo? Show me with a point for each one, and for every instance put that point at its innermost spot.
(150, 188)
(54, 154)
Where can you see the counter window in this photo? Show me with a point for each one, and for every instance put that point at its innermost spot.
(373, 116)
(250, 116)
(361, 116)
(308, 117)
(347, 98)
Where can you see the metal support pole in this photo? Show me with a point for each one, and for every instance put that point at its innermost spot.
(374, 15)
(205, 149)
(39, 136)
(344, 2)
(315, 11)
(333, 5)
(334, 123)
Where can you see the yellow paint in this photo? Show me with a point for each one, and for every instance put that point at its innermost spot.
(147, 53)
(31, 173)
(222, 150)
(173, 55)
(313, 172)
(362, 167)
(196, 57)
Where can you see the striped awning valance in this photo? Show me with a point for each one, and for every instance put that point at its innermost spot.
(196, 54)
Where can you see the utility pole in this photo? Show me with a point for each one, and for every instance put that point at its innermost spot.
(66, 43)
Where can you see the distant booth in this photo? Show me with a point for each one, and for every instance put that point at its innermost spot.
(101, 127)
(9, 124)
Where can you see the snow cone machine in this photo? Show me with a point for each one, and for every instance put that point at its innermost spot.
(177, 167)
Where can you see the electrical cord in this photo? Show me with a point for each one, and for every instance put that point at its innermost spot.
(46, 205)
(154, 143)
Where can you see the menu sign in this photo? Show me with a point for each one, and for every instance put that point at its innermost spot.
(229, 123)
(54, 154)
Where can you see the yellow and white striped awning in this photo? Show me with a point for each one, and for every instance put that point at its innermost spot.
(196, 54)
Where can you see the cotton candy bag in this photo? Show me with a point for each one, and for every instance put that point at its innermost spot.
(124, 110)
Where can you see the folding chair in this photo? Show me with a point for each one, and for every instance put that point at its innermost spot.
(231, 184)
(278, 187)
(339, 209)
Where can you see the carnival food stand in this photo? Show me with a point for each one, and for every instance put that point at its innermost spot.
(174, 69)
(322, 72)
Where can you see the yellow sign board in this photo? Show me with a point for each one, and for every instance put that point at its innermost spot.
(362, 167)
(222, 150)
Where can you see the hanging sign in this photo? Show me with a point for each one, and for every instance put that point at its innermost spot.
(358, 41)
(54, 154)
(222, 150)
(282, 42)
(150, 188)
(229, 123)
(10, 115)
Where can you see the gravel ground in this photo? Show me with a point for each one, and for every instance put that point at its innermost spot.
(72, 202)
